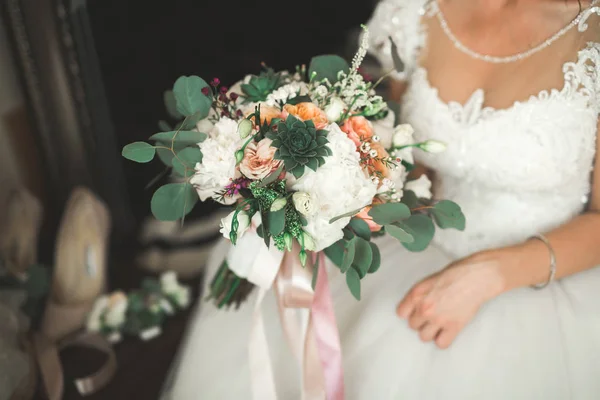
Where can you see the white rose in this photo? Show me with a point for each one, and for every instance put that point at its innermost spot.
(421, 187)
(403, 135)
(433, 146)
(304, 203)
(243, 224)
(182, 297)
(94, 323)
(117, 308)
(335, 109)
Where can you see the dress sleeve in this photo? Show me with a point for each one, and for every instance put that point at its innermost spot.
(397, 21)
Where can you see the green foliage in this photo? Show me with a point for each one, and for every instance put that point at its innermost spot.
(327, 67)
(448, 214)
(173, 201)
(277, 222)
(171, 105)
(421, 228)
(346, 215)
(360, 228)
(410, 199)
(186, 160)
(299, 99)
(189, 97)
(388, 213)
(398, 63)
(335, 252)
(376, 258)
(363, 257)
(299, 145)
(140, 152)
(259, 87)
(349, 254)
(185, 138)
(399, 233)
(353, 282)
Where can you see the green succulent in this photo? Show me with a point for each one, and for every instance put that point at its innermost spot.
(299, 145)
(259, 87)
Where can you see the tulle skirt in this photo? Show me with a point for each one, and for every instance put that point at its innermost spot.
(525, 344)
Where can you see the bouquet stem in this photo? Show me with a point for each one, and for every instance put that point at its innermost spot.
(228, 289)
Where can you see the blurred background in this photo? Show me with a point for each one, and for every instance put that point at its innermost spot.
(79, 79)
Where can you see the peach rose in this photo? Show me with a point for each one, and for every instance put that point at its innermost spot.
(364, 215)
(267, 113)
(358, 129)
(258, 160)
(306, 111)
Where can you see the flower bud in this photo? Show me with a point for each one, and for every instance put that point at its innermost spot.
(303, 257)
(288, 240)
(278, 204)
(239, 156)
(245, 128)
(335, 109)
(433, 146)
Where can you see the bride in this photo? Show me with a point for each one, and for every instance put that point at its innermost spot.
(510, 308)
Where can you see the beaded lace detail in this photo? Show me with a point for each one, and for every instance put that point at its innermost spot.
(515, 171)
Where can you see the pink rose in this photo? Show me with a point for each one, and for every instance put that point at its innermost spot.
(364, 215)
(258, 160)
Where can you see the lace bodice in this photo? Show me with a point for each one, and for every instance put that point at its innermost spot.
(515, 171)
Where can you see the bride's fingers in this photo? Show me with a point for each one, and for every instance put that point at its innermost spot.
(429, 331)
(445, 338)
(407, 306)
(417, 320)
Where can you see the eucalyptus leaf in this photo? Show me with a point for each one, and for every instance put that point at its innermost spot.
(171, 105)
(348, 234)
(360, 228)
(448, 214)
(399, 233)
(421, 228)
(349, 253)
(140, 152)
(335, 252)
(328, 67)
(376, 263)
(353, 282)
(272, 177)
(384, 214)
(173, 201)
(277, 222)
(185, 138)
(299, 99)
(346, 215)
(186, 161)
(363, 257)
(189, 97)
(410, 199)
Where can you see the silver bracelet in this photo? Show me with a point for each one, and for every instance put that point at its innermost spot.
(552, 261)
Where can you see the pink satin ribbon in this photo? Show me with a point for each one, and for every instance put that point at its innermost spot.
(318, 347)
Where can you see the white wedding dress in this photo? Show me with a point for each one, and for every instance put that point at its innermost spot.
(515, 172)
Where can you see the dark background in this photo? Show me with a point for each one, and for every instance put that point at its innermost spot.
(144, 46)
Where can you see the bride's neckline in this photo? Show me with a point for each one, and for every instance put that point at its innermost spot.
(474, 110)
(435, 9)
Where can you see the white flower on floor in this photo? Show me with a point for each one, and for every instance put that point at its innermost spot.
(170, 286)
(94, 319)
(116, 310)
(421, 187)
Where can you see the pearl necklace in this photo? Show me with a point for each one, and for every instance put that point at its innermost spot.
(579, 20)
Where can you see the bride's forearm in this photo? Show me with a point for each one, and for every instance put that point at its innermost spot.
(575, 244)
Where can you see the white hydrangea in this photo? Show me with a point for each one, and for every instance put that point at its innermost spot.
(286, 93)
(338, 187)
(218, 167)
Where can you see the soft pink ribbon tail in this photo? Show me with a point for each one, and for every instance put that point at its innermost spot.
(326, 334)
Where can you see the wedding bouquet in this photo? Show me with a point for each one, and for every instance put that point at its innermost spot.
(309, 161)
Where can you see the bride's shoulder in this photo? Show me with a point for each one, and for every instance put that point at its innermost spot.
(397, 21)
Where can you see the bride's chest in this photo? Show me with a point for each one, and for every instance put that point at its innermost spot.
(539, 144)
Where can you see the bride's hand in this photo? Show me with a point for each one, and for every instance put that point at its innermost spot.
(440, 306)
